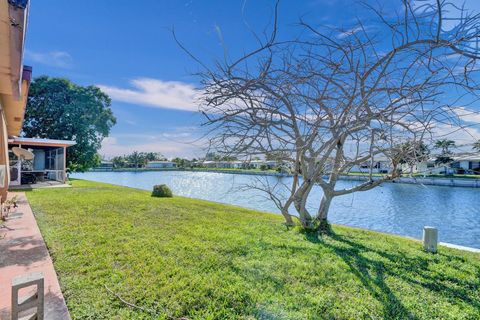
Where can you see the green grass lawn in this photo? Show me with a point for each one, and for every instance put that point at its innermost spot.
(182, 257)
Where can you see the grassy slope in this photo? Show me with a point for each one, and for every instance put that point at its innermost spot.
(185, 257)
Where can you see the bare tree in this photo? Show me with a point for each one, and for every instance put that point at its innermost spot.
(334, 99)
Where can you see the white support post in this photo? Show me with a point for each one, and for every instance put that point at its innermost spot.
(430, 239)
(35, 300)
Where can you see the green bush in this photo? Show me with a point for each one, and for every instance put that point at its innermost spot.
(263, 167)
(162, 190)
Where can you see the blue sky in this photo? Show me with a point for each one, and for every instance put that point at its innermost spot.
(127, 48)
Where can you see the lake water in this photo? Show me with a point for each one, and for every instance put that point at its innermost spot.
(396, 208)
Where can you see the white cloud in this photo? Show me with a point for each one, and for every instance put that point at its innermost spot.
(350, 32)
(180, 142)
(468, 115)
(156, 93)
(58, 59)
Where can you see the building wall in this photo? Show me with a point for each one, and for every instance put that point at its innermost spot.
(161, 165)
(4, 159)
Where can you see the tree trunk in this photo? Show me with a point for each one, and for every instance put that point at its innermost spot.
(300, 203)
(322, 215)
(288, 218)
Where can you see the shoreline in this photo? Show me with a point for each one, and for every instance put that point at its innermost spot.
(445, 244)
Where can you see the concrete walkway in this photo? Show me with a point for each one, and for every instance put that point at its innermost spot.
(23, 251)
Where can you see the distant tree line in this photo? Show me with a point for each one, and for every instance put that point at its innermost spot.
(136, 159)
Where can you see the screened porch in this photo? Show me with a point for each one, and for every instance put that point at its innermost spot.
(46, 160)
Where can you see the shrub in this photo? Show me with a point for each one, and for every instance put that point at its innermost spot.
(162, 191)
(263, 167)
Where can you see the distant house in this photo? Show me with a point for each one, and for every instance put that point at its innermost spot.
(209, 164)
(161, 164)
(379, 166)
(256, 164)
(105, 164)
(461, 164)
(468, 163)
(219, 164)
(238, 165)
(271, 164)
(430, 166)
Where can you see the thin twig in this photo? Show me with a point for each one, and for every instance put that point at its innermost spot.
(134, 306)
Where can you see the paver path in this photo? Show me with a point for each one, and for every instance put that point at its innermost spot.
(23, 251)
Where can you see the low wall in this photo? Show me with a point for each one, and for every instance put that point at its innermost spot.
(433, 181)
(257, 173)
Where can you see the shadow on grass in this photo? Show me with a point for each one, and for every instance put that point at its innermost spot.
(372, 274)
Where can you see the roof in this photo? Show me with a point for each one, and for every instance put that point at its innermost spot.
(42, 142)
(468, 157)
(14, 76)
(13, 25)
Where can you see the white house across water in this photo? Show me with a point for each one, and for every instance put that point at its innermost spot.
(161, 164)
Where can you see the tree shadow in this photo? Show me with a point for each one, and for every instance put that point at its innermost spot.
(22, 251)
(372, 274)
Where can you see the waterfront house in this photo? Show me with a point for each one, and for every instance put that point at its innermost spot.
(105, 165)
(255, 164)
(239, 165)
(466, 164)
(161, 164)
(379, 166)
(209, 164)
(271, 164)
(217, 164)
(461, 164)
(430, 166)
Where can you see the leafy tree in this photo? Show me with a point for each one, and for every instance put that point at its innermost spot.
(410, 153)
(446, 155)
(154, 156)
(263, 167)
(181, 163)
(136, 159)
(445, 145)
(118, 162)
(60, 109)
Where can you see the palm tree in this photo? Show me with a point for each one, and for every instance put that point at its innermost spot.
(118, 162)
(445, 156)
(445, 145)
(135, 158)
